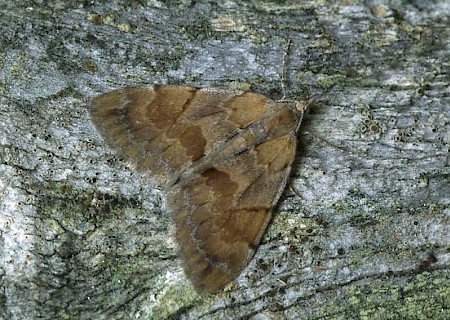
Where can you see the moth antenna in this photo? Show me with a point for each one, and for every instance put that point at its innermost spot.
(283, 70)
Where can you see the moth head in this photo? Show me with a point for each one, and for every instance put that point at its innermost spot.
(302, 106)
(285, 117)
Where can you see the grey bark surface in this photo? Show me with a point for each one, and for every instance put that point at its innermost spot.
(362, 230)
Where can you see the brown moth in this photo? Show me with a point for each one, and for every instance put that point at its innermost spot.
(222, 158)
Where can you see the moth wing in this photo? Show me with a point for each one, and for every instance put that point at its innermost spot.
(161, 130)
(221, 213)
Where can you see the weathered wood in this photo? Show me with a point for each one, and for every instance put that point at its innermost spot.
(362, 231)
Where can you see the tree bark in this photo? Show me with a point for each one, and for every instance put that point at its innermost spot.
(362, 230)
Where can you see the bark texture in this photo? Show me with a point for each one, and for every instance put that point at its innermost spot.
(363, 229)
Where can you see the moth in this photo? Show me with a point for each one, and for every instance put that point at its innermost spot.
(221, 157)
